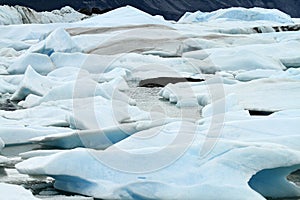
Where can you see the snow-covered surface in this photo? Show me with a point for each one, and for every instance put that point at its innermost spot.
(72, 81)
(14, 192)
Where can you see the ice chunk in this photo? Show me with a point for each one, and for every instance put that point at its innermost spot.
(32, 83)
(256, 74)
(4, 160)
(47, 114)
(83, 88)
(31, 154)
(92, 63)
(257, 56)
(233, 60)
(269, 94)
(17, 134)
(39, 62)
(16, 45)
(12, 192)
(6, 87)
(9, 52)
(36, 84)
(95, 113)
(140, 66)
(98, 139)
(291, 73)
(58, 41)
(222, 106)
(68, 74)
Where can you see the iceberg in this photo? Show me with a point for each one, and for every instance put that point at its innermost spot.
(238, 14)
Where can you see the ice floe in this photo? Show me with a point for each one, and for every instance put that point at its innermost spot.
(244, 149)
(271, 94)
(39, 153)
(12, 192)
(71, 82)
(18, 134)
(250, 57)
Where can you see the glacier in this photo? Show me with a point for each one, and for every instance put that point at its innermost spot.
(23, 15)
(74, 83)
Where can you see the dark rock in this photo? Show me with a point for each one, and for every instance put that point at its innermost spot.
(8, 105)
(163, 81)
(85, 11)
(260, 113)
